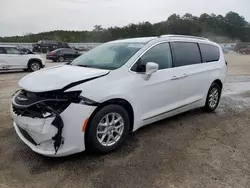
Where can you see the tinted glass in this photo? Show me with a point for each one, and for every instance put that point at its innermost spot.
(186, 53)
(55, 51)
(11, 50)
(1, 51)
(108, 56)
(209, 53)
(70, 51)
(160, 54)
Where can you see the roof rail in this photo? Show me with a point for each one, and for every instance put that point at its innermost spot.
(185, 36)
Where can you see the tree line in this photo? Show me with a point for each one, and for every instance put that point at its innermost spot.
(228, 28)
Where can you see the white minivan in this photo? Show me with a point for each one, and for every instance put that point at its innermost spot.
(96, 100)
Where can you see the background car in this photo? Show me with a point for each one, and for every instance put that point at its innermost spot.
(13, 58)
(245, 51)
(45, 46)
(63, 54)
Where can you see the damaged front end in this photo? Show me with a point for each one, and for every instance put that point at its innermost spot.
(35, 113)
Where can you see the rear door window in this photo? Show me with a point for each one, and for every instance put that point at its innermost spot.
(209, 53)
(12, 50)
(68, 51)
(186, 53)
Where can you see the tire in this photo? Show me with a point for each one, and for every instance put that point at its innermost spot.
(26, 70)
(98, 123)
(61, 59)
(213, 97)
(34, 66)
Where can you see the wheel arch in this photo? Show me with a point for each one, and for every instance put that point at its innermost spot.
(119, 101)
(219, 82)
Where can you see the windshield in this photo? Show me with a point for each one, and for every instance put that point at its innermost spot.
(108, 56)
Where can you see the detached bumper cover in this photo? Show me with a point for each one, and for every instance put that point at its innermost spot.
(48, 131)
(42, 132)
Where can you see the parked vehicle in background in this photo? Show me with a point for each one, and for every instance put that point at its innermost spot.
(25, 50)
(12, 57)
(245, 51)
(114, 89)
(45, 46)
(240, 46)
(63, 54)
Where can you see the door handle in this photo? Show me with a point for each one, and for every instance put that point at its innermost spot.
(175, 78)
(184, 75)
(179, 77)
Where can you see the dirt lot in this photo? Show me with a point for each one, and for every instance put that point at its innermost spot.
(193, 150)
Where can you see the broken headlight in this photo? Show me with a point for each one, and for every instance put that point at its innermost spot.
(86, 101)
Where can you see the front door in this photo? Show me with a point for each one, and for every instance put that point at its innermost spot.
(15, 59)
(160, 94)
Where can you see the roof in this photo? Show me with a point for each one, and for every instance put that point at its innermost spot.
(185, 36)
(136, 40)
(3, 45)
(145, 40)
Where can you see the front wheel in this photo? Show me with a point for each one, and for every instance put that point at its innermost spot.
(213, 97)
(108, 129)
(34, 66)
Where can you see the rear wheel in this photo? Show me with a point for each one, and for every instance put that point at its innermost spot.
(61, 59)
(108, 129)
(34, 66)
(213, 97)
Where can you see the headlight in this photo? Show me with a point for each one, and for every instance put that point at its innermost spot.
(86, 101)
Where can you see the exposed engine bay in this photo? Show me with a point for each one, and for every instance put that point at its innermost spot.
(44, 105)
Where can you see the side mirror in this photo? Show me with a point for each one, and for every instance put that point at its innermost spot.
(151, 68)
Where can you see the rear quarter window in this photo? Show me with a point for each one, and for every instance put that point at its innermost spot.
(209, 53)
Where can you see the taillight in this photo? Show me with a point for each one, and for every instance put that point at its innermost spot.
(51, 54)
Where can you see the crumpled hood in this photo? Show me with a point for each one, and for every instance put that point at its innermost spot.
(58, 77)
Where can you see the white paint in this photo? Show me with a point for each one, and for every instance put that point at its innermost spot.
(57, 77)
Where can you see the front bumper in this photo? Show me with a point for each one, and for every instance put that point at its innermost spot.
(37, 133)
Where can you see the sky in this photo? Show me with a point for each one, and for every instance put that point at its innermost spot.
(18, 17)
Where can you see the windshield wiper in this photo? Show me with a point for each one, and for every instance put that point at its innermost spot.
(84, 66)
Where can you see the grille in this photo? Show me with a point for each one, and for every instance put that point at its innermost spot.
(38, 103)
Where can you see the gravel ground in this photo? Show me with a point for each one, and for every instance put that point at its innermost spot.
(194, 149)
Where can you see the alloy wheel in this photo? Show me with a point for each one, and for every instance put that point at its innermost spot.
(110, 129)
(213, 97)
(35, 66)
